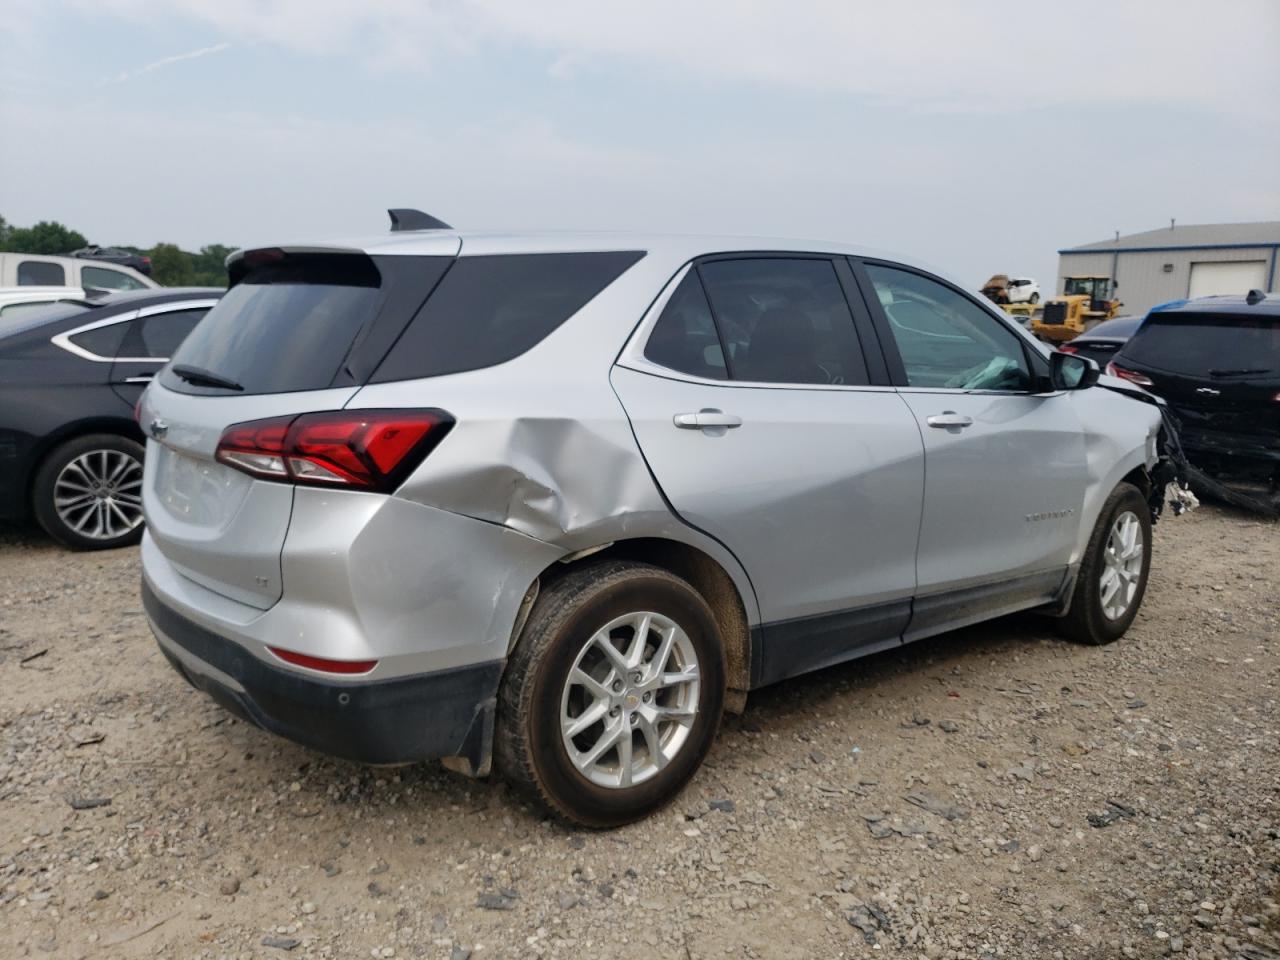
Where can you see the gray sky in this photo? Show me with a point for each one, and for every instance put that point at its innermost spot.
(980, 136)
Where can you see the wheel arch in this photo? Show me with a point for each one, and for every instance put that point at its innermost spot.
(119, 426)
(702, 571)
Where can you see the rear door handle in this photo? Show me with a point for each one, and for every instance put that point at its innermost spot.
(949, 418)
(706, 418)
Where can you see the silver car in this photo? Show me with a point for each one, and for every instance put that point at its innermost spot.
(554, 503)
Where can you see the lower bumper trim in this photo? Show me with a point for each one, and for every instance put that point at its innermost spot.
(448, 713)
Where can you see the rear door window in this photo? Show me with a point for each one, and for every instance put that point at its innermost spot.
(784, 320)
(159, 335)
(290, 321)
(41, 273)
(490, 309)
(1208, 345)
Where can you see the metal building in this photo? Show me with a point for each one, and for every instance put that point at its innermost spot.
(1176, 262)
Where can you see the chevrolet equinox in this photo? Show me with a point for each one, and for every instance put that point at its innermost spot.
(550, 504)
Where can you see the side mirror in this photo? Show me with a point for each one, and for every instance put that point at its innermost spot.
(1070, 371)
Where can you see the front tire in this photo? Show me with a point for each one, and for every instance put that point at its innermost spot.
(87, 492)
(1113, 575)
(1035, 298)
(613, 695)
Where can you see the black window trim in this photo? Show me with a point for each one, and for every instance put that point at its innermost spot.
(64, 340)
(1037, 366)
(632, 356)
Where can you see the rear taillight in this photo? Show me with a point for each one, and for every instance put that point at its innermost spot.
(146, 261)
(1133, 376)
(1068, 348)
(363, 449)
(323, 664)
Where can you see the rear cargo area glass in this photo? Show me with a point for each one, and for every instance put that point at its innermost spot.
(289, 325)
(1197, 344)
(490, 309)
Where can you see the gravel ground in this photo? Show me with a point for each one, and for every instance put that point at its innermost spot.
(991, 793)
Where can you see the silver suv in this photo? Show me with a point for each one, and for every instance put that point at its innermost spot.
(554, 503)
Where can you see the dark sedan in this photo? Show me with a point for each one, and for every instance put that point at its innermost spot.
(1101, 343)
(70, 374)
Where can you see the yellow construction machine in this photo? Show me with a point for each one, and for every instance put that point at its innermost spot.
(1085, 302)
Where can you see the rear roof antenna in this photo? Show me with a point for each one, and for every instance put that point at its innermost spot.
(1255, 296)
(406, 218)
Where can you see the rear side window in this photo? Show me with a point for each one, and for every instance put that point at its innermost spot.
(784, 320)
(41, 273)
(490, 309)
(159, 335)
(102, 342)
(1208, 345)
(291, 320)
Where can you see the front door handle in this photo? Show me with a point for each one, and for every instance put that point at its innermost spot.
(706, 418)
(949, 418)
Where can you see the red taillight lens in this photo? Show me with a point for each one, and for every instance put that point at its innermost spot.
(1133, 376)
(256, 447)
(323, 664)
(147, 261)
(1068, 348)
(366, 449)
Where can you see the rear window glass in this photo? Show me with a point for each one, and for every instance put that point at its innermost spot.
(1207, 344)
(41, 273)
(289, 325)
(490, 309)
(17, 321)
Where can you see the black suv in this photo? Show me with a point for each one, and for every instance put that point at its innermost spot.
(70, 375)
(1216, 360)
(115, 255)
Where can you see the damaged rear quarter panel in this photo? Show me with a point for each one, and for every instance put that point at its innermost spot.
(542, 445)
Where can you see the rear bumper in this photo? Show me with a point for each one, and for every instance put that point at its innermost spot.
(446, 713)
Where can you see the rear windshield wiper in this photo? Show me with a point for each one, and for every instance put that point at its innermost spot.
(1242, 372)
(203, 378)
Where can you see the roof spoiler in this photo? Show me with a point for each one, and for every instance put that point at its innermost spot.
(406, 218)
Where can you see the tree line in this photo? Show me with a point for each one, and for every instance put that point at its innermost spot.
(171, 266)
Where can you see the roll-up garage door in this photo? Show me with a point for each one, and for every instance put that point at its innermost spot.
(1241, 276)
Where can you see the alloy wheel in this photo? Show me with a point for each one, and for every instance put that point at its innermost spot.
(1121, 565)
(630, 699)
(99, 494)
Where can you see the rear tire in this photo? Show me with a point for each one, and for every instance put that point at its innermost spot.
(647, 713)
(1113, 578)
(87, 492)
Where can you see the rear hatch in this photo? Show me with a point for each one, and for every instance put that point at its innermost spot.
(298, 332)
(1219, 371)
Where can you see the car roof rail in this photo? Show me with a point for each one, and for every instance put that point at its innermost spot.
(1254, 296)
(406, 218)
